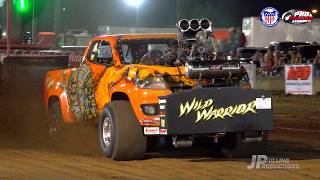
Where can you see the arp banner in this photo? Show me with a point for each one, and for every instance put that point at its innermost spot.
(299, 79)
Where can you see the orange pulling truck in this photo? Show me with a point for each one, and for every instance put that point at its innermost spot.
(160, 86)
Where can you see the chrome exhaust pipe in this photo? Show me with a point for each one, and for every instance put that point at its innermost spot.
(194, 25)
(183, 25)
(182, 142)
(253, 139)
(205, 24)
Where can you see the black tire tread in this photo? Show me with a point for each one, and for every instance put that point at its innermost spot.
(128, 143)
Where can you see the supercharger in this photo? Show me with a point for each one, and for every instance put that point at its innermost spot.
(197, 50)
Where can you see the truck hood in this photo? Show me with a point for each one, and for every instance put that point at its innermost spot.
(176, 74)
(163, 70)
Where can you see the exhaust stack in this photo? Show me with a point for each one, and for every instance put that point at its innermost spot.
(182, 142)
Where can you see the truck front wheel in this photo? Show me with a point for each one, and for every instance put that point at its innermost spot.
(120, 134)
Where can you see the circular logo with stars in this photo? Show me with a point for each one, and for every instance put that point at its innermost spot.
(269, 17)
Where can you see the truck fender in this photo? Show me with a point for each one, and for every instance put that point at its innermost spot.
(66, 112)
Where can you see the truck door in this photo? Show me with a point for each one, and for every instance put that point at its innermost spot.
(83, 82)
(103, 59)
(99, 57)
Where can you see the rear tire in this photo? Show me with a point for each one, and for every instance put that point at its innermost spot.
(55, 120)
(233, 146)
(120, 135)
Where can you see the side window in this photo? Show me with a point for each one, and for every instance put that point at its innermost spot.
(126, 51)
(92, 52)
(104, 54)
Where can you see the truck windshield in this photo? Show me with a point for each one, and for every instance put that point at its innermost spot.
(145, 51)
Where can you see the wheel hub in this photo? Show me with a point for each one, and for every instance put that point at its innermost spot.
(106, 132)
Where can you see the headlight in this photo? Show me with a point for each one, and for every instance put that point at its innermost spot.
(152, 82)
(150, 109)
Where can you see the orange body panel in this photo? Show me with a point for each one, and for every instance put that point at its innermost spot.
(110, 80)
(55, 88)
(97, 83)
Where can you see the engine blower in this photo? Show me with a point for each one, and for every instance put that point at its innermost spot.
(197, 50)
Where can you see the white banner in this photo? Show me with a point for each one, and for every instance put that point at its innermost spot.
(299, 79)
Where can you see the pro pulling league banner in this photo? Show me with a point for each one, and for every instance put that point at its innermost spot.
(299, 79)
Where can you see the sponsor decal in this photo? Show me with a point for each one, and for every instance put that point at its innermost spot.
(269, 17)
(294, 16)
(162, 107)
(206, 111)
(263, 103)
(163, 123)
(163, 131)
(299, 79)
(146, 122)
(151, 130)
(162, 101)
(265, 162)
(156, 120)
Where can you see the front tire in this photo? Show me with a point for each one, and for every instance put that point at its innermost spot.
(120, 135)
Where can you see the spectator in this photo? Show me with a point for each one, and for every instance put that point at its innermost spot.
(269, 59)
(242, 38)
(316, 63)
(317, 58)
(233, 35)
(286, 58)
(277, 69)
(237, 38)
(234, 40)
(294, 58)
(299, 58)
(276, 57)
(257, 58)
(267, 62)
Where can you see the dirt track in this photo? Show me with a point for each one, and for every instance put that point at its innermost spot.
(26, 153)
(37, 163)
